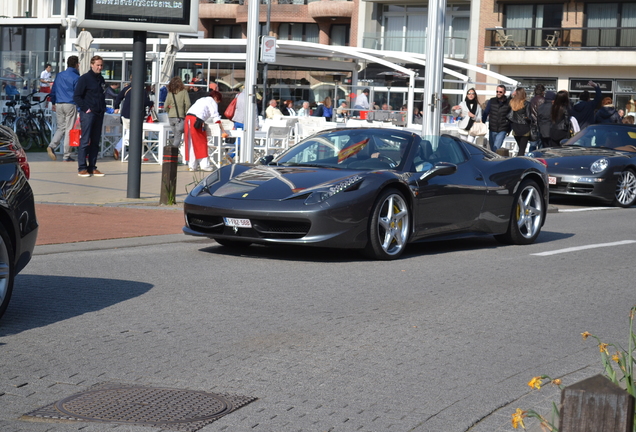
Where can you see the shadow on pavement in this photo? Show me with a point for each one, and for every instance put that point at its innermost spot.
(40, 300)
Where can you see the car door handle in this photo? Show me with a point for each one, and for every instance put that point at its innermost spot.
(480, 178)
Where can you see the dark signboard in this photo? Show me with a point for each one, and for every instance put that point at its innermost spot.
(145, 15)
(578, 85)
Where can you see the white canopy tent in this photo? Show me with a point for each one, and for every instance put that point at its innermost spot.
(303, 55)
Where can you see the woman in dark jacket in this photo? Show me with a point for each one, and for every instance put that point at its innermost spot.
(607, 113)
(560, 116)
(519, 117)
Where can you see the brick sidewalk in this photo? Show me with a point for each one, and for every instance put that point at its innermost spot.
(80, 223)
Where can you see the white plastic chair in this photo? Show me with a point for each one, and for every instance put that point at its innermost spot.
(277, 139)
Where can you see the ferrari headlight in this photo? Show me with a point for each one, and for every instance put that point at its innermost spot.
(322, 195)
(599, 166)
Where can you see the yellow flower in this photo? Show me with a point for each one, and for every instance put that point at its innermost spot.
(535, 383)
(586, 335)
(616, 358)
(602, 347)
(517, 418)
(556, 382)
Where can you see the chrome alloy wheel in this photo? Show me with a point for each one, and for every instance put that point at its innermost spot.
(393, 224)
(529, 211)
(626, 188)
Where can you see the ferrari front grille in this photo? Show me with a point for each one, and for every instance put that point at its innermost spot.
(206, 224)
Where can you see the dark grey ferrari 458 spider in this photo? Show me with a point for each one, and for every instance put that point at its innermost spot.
(371, 189)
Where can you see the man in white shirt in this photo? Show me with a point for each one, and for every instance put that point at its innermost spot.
(46, 79)
(272, 111)
(362, 101)
(304, 111)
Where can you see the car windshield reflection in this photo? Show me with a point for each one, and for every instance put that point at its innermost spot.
(619, 137)
(360, 149)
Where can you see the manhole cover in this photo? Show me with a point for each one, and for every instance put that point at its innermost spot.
(175, 409)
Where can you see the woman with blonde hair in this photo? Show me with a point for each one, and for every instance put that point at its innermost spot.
(324, 110)
(177, 104)
(519, 117)
(470, 111)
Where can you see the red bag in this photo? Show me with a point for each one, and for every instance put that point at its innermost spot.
(75, 134)
(230, 110)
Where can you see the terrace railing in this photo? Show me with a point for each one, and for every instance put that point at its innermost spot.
(562, 38)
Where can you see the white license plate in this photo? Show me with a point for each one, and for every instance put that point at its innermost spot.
(240, 223)
(552, 180)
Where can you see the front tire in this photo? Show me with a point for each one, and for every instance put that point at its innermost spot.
(7, 271)
(389, 226)
(527, 215)
(626, 189)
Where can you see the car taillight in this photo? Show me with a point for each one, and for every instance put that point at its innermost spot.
(22, 160)
(543, 161)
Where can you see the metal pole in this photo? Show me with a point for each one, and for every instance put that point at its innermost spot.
(136, 113)
(251, 65)
(434, 67)
(265, 101)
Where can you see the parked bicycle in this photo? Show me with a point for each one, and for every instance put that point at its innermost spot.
(31, 126)
(10, 115)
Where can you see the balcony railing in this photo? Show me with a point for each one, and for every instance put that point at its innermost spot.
(454, 47)
(585, 38)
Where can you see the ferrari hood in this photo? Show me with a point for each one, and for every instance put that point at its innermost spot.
(274, 182)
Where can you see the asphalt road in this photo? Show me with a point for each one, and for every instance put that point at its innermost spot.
(444, 339)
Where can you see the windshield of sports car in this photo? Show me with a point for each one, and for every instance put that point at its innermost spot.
(617, 137)
(350, 149)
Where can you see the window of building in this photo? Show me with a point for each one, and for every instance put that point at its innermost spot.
(404, 29)
(299, 32)
(340, 34)
(535, 22)
(611, 24)
(227, 32)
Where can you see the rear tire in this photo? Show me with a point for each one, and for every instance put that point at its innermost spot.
(389, 226)
(526, 217)
(626, 189)
(7, 271)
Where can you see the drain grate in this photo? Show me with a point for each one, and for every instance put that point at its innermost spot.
(174, 409)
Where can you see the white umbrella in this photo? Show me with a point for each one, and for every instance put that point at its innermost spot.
(174, 45)
(83, 45)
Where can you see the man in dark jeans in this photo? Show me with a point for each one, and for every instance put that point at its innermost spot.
(90, 97)
(496, 112)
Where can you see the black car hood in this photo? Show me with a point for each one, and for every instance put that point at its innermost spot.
(276, 182)
(575, 157)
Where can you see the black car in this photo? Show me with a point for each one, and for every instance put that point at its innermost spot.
(597, 162)
(19, 226)
(372, 189)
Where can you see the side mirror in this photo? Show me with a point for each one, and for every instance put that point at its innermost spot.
(265, 160)
(440, 169)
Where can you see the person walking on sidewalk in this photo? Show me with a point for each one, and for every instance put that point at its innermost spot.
(64, 106)
(177, 104)
(519, 117)
(90, 97)
(496, 113)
